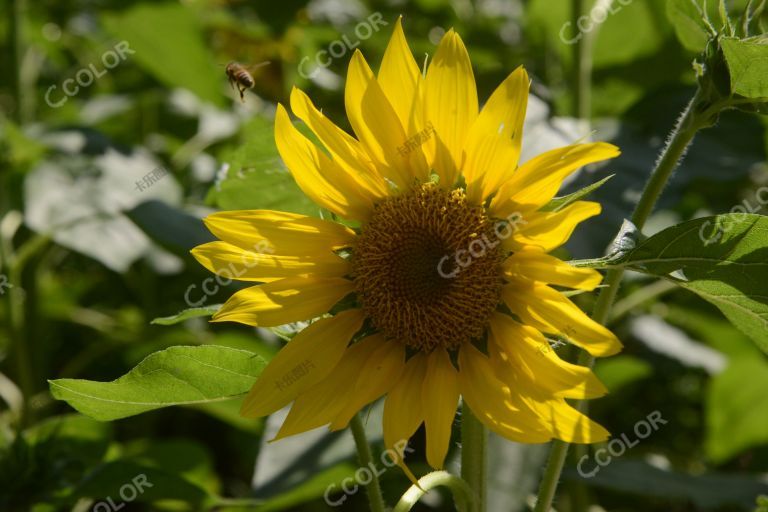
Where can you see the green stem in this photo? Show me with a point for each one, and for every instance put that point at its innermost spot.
(16, 10)
(462, 493)
(582, 61)
(373, 489)
(474, 446)
(16, 314)
(697, 115)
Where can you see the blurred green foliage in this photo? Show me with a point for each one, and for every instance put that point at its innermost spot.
(95, 246)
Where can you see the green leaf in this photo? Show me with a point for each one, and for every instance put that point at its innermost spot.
(174, 376)
(558, 203)
(723, 259)
(147, 483)
(621, 371)
(256, 177)
(687, 17)
(186, 315)
(167, 39)
(706, 491)
(737, 408)
(747, 61)
(311, 487)
(173, 229)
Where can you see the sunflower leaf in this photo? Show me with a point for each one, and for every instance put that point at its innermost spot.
(558, 203)
(691, 25)
(174, 376)
(747, 61)
(723, 259)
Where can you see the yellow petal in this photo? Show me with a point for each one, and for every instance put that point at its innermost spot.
(546, 231)
(399, 75)
(491, 400)
(494, 141)
(378, 374)
(537, 181)
(403, 409)
(268, 231)
(319, 177)
(281, 302)
(377, 126)
(568, 424)
(308, 358)
(550, 311)
(451, 104)
(344, 149)
(523, 351)
(232, 262)
(538, 266)
(439, 397)
(321, 403)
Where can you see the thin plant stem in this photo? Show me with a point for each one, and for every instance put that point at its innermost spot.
(373, 489)
(462, 493)
(640, 297)
(474, 448)
(697, 115)
(17, 329)
(16, 13)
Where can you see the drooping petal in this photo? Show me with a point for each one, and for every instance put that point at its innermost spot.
(451, 105)
(538, 266)
(232, 262)
(321, 403)
(344, 149)
(537, 181)
(378, 374)
(319, 177)
(439, 397)
(500, 409)
(281, 302)
(546, 231)
(377, 126)
(268, 231)
(519, 350)
(493, 145)
(403, 412)
(550, 311)
(306, 360)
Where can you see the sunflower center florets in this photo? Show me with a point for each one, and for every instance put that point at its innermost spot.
(418, 274)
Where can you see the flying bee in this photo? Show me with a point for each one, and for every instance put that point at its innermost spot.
(241, 75)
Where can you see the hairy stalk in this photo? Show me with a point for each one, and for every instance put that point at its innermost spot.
(697, 115)
(474, 448)
(373, 489)
(462, 494)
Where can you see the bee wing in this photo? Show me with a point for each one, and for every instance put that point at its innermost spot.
(254, 67)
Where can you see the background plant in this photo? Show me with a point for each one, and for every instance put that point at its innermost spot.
(99, 268)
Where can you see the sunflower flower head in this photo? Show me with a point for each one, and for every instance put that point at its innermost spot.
(448, 271)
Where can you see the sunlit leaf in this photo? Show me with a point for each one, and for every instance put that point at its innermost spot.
(175, 376)
(723, 259)
(167, 39)
(737, 408)
(747, 61)
(255, 177)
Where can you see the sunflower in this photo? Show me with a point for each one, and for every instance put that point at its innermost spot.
(438, 284)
